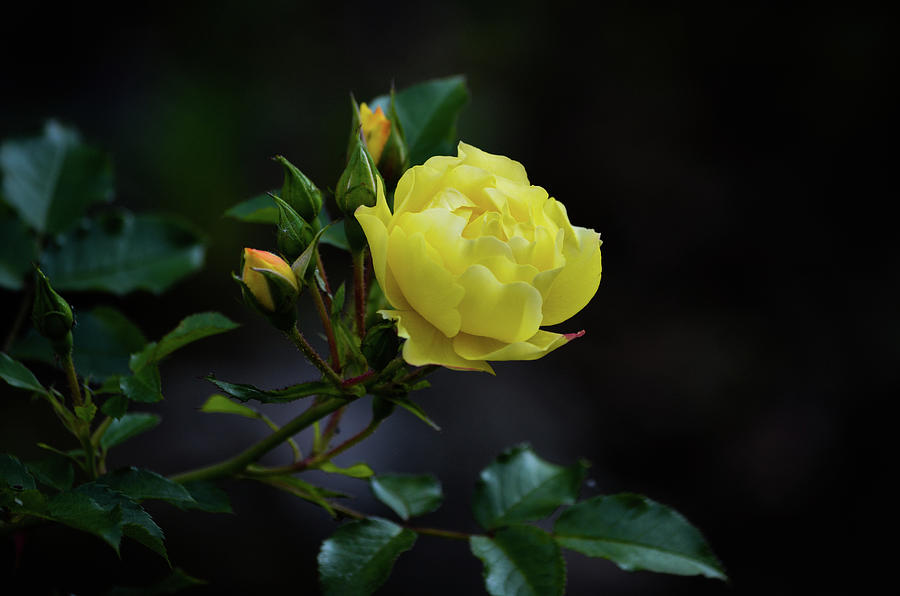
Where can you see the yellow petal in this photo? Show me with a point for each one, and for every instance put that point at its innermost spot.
(426, 284)
(578, 281)
(417, 187)
(425, 344)
(506, 312)
(498, 164)
(473, 347)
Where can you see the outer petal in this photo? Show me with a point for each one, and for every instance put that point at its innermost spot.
(497, 164)
(375, 222)
(540, 344)
(506, 312)
(426, 284)
(577, 283)
(425, 344)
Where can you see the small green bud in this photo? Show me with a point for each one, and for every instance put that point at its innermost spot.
(294, 234)
(395, 157)
(299, 192)
(51, 315)
(359, 183)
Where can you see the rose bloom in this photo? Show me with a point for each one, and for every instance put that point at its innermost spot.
(475, 260)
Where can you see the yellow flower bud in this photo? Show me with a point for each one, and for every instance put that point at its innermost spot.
(475, 260)
(376, 129)
(260, 286)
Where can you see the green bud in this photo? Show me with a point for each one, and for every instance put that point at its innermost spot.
(51, 315)
(395, 157)
(380, 345)
(294, 234)
(359, 182)
(299, 192)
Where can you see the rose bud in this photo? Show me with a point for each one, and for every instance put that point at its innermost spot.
(52, 315)
(376, 129)
(270, 286)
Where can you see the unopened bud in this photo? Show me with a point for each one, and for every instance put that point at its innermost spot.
(51, 314)
(270, 286)
(376, 129)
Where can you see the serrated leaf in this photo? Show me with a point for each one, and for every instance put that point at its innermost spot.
(358, 558)
(121, 253)
(17, 251)
(207, 497)
(104, 339)
(127, 427)
(414, 408)
(408, 495)
(136, 523)
(55, 472)
(14, 474)
(52, 179)
(357, 470)
(115, 406)
(519, 486)
(81, 512)
(428, 113)
(191, 329)
(17, 374)
(637, 533)
(140, 485)
(260, 209)
(520, 561)
(175, 582)
(288, 394)
(219, 404)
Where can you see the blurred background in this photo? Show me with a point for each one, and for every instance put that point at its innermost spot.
(739, 354)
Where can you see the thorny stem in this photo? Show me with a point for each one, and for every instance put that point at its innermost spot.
(239, 462)
(313, 356)
(321, 267)
(72, 378)
(349, 512)
(329, 330)
(359, 290)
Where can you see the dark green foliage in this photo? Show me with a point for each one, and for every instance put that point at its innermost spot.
(520, 561)
(409, 496)
(358, 558)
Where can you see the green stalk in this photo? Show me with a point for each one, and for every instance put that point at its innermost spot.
(238, 463)
(313, 356)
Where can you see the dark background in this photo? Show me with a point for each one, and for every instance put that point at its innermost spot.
(739, 354)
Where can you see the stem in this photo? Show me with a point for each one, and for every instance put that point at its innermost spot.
(101, 430)
(72, 377)
(329, 330)
(324, 276)
(359, 290)
(419, 373)
(20, 318)
(239, 462)
(315, 460)
(271, 424)
(313, 356)
(452, 535)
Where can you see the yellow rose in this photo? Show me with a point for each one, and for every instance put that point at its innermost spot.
(475, 260)
(376, 128)
(258, 263)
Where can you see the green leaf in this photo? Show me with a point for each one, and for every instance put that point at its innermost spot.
(519, 486)
(637, 533)
(428, 113)
(335, 235)
(121, 253)
(115, 406)
(207, 497)
(16, 374)
(520, 561)
(358, 557)
(260, 209)
(14, 475)
(16, 252)
(174, 583)
(358, 470)
(127, 427)
(81, 512)
(141, 485)
(136, 523)
(288, 394)
(191, 329)
(54, 471)
(51, 180)
(145, 385)
(408, 495)
(337, 301)
(304, 490)
(413, 408)
(86, 412)
(219, 404)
